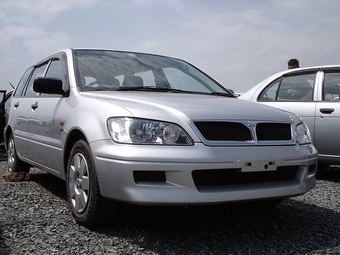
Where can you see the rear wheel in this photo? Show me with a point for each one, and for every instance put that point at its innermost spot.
(13, 162)
(88, 207)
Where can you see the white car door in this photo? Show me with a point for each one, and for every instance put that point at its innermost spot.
(327, 116)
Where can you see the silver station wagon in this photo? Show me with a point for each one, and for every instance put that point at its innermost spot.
(153, 130)
(314, 94)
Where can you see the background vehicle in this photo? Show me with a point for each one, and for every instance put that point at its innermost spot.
(313, 94)
(148, 129)
(5, 100)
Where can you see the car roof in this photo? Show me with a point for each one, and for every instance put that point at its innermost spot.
(69, 51)
(307, 69)
(252, 90)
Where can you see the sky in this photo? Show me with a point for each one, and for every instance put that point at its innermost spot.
(237, 42)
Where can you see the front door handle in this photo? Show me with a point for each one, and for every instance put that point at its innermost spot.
(327, 110)
(34, 106)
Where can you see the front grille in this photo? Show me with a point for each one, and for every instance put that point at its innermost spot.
(204, 179)
(237, 131)
(273, 131)
(224, 131)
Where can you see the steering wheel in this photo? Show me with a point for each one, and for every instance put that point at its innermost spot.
(91, 84)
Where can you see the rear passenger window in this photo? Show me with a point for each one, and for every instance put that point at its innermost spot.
(23, 81)
(331, 87)
(290, 88)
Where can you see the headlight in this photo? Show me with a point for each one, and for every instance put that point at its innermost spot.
(144, 131)
(303, 135)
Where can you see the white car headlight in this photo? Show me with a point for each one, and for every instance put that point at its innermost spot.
(144, 131)
(303, 135)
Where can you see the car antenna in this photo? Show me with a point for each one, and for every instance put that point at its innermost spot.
(11, 85)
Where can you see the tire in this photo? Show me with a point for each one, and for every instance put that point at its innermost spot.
(13, 162)
(88, 207)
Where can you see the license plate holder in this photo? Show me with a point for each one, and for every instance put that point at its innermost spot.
(257, 165)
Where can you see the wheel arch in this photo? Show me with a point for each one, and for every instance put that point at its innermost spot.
(74, 136)
(7, 135)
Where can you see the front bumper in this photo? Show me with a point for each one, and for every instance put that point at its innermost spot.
(169, 175)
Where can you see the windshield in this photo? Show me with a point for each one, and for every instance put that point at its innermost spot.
(115, 70)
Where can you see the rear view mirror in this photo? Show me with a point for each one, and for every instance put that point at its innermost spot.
(49, 85)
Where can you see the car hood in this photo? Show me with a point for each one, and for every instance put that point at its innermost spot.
(175, 106)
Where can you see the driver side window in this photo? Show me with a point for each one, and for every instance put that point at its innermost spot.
(38, 72)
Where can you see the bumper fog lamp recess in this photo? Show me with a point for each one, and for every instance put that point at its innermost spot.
(141, 177)
(312, 170)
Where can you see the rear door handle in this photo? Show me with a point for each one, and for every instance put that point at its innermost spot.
(34, 106)
(327, 110)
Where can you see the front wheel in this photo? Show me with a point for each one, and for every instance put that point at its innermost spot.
(88, 207)
(13, 162)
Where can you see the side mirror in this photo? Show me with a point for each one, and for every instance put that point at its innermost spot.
(49, 85)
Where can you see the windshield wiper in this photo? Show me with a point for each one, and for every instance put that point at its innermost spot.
(134, 88)
(221, 94)
(154, 89)
(181, 91)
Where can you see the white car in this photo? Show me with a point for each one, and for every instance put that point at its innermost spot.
(149, 129)
(313, 93)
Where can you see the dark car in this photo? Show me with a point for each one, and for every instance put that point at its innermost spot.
(5, 99)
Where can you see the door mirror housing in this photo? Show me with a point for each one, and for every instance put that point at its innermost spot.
(49, 85)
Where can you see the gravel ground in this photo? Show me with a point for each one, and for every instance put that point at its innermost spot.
(35, 219)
